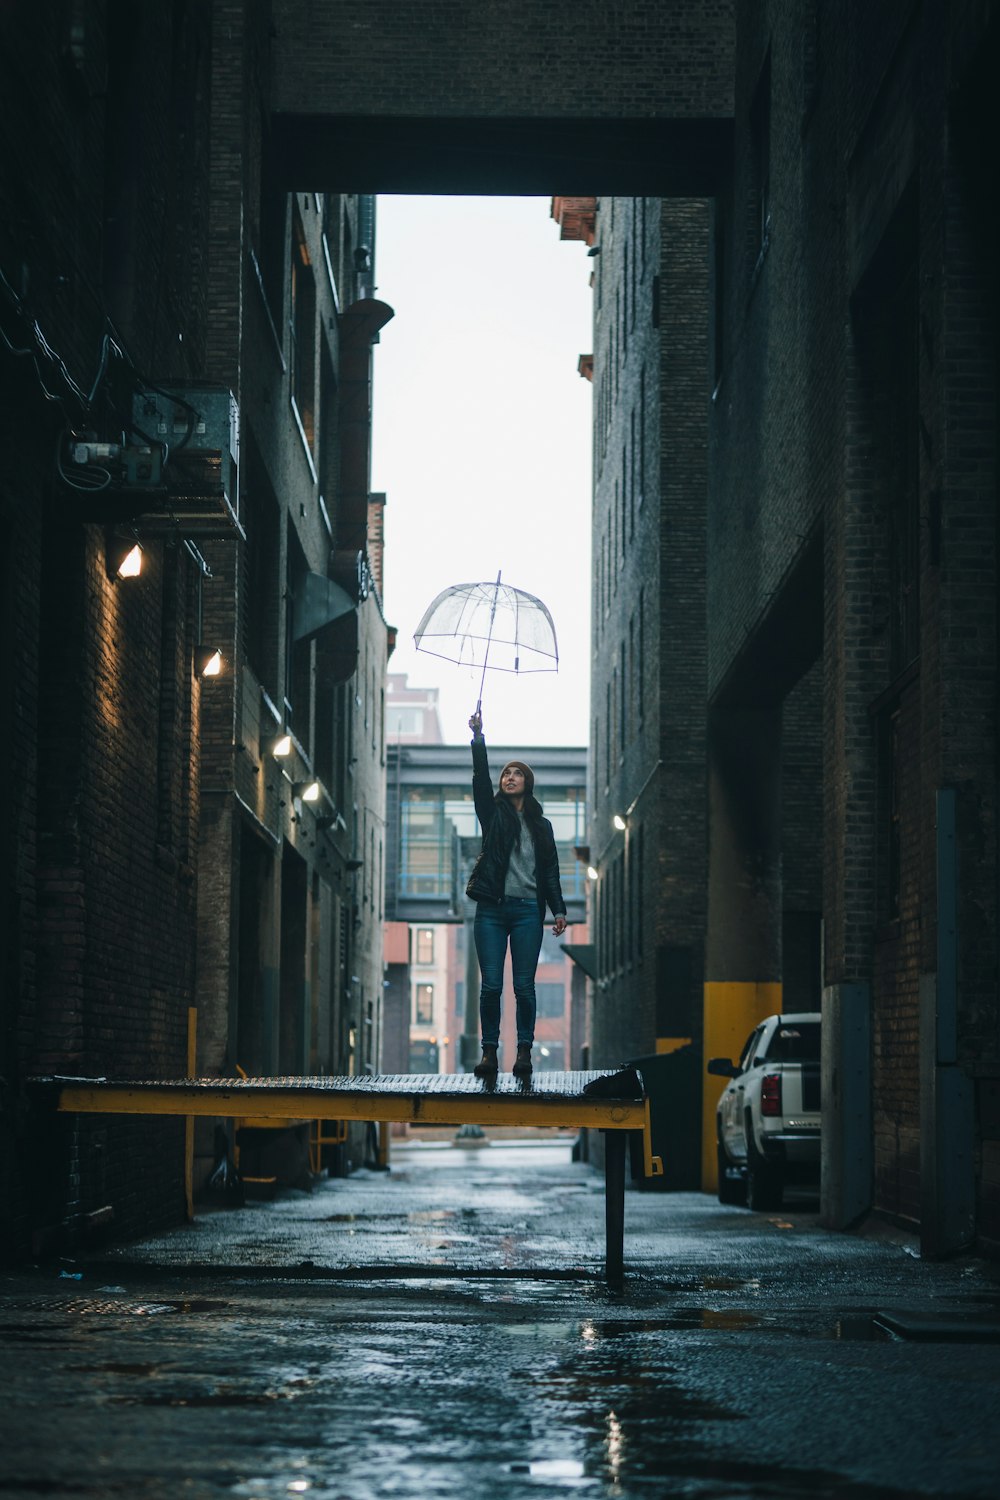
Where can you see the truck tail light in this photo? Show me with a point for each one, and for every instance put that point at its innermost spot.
(770, 1094)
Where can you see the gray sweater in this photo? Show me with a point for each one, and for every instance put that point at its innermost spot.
(521, 879)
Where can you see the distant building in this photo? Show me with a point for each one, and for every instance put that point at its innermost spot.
(411, 713)
(432, 839)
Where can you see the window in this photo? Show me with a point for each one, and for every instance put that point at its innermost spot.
(718, 298)
(423, 946)
(597, 755)
(631, 488)
(298, 654)
(749, 1047)
(798, 1043)
(329, 456)
(302, 326)
(635, 252)
(624, 496)
(760, 144)
(631, 669)
(642, 437)
(550, 1000)
(423, 1004)
(628, 316)
(641, 662)
(621, 699)
(607, 734)
(262, 520)
(638, 890)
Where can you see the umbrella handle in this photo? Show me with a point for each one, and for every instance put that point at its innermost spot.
(486, 654)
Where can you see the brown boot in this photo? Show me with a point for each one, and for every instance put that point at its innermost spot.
(487, 1066)
(522, 1062)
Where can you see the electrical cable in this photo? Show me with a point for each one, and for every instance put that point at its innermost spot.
(87, 479)
(90, 477)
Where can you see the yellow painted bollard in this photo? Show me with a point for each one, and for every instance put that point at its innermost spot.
(192, 1066)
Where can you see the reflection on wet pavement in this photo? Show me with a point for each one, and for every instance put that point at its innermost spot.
(738, 1363)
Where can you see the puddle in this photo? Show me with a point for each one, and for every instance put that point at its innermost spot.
(551, 1468)
(91, 1306)
(216, 1398)
(685, 1318)
(863, 1330)
(112, 1368)
(418, 1216)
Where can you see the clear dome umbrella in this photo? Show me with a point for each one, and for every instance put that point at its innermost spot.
(489, 626)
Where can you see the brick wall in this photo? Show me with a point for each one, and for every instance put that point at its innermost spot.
(647, 680)
(516, 59)
(99, 885)
(855, 399)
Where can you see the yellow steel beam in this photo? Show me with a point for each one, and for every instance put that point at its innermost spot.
(653, 1164)
(295, 1104)
(266, 1122)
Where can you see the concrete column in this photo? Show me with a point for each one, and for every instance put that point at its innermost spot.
(743, 951)
(847, 1155)
(947, 1124)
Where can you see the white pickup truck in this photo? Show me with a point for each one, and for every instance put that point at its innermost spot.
(768, 1120)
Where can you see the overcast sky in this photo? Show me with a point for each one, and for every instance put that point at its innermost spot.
(482, 442)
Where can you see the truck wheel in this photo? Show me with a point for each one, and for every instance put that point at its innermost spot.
(764, 1185)
(731, 1189)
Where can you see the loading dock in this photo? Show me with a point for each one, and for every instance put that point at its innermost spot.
(592, 1100)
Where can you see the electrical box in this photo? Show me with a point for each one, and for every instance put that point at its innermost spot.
(197, 428)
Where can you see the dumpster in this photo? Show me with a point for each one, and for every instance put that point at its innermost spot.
(672, 1082)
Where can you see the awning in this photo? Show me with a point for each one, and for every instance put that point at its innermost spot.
(584, 954)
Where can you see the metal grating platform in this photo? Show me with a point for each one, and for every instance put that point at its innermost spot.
(426, 1098)
(616, 1104)
(548, 1085)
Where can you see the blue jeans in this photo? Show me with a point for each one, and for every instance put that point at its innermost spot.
(515, 920)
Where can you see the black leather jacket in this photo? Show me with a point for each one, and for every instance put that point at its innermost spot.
(490, 871)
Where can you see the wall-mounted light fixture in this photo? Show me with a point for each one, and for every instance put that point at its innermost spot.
(207, 658)
(208, 661)
(124, 556)
(308, 791)
(619, 822)
(591, 873)
(131, 564)
(281, 748)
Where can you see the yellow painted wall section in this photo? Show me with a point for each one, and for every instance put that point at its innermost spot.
(672, 1043)
(731, 1011)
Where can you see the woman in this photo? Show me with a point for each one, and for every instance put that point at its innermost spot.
(515, 876)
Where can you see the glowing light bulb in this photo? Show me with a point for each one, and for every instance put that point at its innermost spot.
(131, 564)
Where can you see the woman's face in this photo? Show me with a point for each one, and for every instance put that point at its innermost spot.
(512, 781)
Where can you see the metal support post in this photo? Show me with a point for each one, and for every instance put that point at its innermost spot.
(192, 1072)
(615, 1142)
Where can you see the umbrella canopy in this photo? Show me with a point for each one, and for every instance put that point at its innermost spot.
(489, 625)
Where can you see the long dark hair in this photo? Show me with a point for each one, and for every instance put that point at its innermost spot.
(509, 824)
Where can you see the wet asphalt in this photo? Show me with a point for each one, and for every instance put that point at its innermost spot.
(443, 1331)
